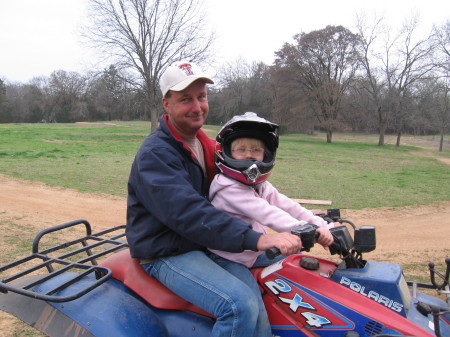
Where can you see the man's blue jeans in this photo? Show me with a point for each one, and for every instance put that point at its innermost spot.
(223, 288)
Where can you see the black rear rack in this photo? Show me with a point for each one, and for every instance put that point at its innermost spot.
(73, 275)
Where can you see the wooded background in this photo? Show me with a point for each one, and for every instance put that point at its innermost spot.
(371, 79)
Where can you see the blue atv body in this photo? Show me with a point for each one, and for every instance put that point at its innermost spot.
(91, 286)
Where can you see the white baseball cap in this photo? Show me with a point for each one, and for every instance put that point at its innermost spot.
(180, 75)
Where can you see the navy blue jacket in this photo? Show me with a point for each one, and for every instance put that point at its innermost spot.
(168, 208)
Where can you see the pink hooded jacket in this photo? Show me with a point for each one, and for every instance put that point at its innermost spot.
(263, 207)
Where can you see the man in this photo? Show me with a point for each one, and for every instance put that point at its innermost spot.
(170, 221)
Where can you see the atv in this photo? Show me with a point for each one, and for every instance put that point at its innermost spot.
(91, 286)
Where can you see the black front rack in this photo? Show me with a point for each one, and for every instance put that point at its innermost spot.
(72, 276)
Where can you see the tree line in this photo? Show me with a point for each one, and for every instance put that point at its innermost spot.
(66, 97)
(367, 80)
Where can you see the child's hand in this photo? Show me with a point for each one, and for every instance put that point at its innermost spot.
(325, 237)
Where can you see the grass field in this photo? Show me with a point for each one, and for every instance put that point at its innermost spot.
(352, 171)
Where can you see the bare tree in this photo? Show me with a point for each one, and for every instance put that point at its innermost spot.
(374, 82)
(108, 94)
(290, 109)
(413, 62)
(66, 90)
(444, 110)
(147, 36)
(442, 37)
(244, 86)
(233, 79)
(392, 72)
(3, 110)
(435, 103)
(323, 63)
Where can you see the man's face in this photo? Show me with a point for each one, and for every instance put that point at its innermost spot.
(188, 109)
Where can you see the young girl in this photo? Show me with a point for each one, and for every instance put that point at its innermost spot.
(245, 155)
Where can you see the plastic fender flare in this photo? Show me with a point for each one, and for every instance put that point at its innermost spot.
(110, 310)
(41, 315)
(113, 310)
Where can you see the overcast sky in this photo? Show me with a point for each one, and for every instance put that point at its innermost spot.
(38, 37)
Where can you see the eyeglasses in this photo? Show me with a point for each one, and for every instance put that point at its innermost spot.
(254, 151)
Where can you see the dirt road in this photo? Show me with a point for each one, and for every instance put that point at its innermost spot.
(405, 230)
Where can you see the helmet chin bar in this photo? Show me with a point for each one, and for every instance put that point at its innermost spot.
(242, 176)
(252, 173)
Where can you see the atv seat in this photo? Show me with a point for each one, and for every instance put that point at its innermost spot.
(128, 271)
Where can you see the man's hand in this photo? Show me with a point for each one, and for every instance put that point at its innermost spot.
(325, 237)
(287, 243)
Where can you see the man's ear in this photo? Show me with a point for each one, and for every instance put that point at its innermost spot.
(165, 104)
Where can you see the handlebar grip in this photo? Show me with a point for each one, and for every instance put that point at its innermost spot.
(272, 253)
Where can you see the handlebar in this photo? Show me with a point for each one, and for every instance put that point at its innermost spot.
(307, 233)
(349, 249)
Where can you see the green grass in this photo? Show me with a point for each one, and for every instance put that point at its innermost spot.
(89, 157)
(15, 236)
(358, 174)
(352, 171)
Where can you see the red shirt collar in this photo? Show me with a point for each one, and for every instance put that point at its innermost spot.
(207, 144)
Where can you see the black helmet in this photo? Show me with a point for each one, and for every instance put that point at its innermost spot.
(247, 171)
